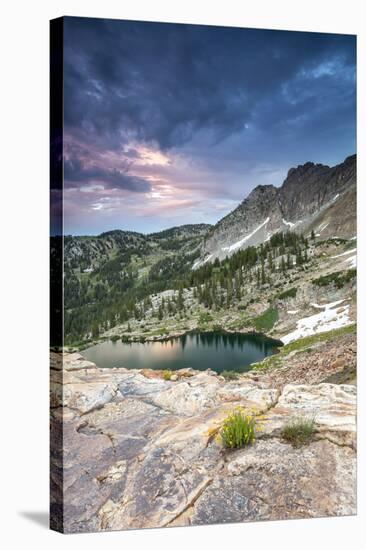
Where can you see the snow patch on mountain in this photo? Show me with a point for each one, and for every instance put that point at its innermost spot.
(330, 318)
(345, 253)
(351, 262)
(327, 306)
(199, 262)
(238, 244)
(290, 224)
(322, 227)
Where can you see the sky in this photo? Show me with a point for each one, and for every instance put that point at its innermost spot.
(168, 124)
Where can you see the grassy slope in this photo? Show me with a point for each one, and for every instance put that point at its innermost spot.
(302, 345)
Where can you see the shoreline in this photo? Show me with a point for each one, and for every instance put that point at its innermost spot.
(136, 338)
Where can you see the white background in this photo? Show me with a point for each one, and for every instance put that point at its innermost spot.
(24, 271)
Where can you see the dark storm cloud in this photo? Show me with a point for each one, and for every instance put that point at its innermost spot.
(163, 83)
(168, 124)
(77, 173)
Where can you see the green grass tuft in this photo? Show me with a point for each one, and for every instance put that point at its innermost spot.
(266, 320)
(299, 431)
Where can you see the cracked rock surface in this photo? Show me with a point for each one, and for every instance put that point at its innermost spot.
(138, 451)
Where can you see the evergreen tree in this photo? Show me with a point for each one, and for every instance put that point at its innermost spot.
(299, 257)
(95, 330)
(160, 313)
(270, 262)
(289, 262)
(240, 278)
(283, 265)
(180, 301)
(237, 289)
(263, 275)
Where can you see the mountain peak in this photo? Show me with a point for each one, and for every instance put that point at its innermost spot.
(296, 173)
(305, 195)
(261, 189)
(351, 159)
(259, 194)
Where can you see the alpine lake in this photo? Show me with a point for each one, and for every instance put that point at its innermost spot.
(219, 351)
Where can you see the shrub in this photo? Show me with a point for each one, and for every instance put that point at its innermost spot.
(339, 278)
(299, 431)
(238, 429)
(290, 293)
(230, 374)
(167, 375)
(334, 240)
(205, 318)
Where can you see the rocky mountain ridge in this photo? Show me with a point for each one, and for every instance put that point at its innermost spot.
(93, 251)
(305, 201)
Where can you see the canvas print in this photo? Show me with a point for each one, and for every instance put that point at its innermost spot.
(203, 275)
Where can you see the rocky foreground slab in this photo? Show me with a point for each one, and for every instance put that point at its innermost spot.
(139, 451)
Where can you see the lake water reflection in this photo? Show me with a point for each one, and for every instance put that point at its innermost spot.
(199, 350)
